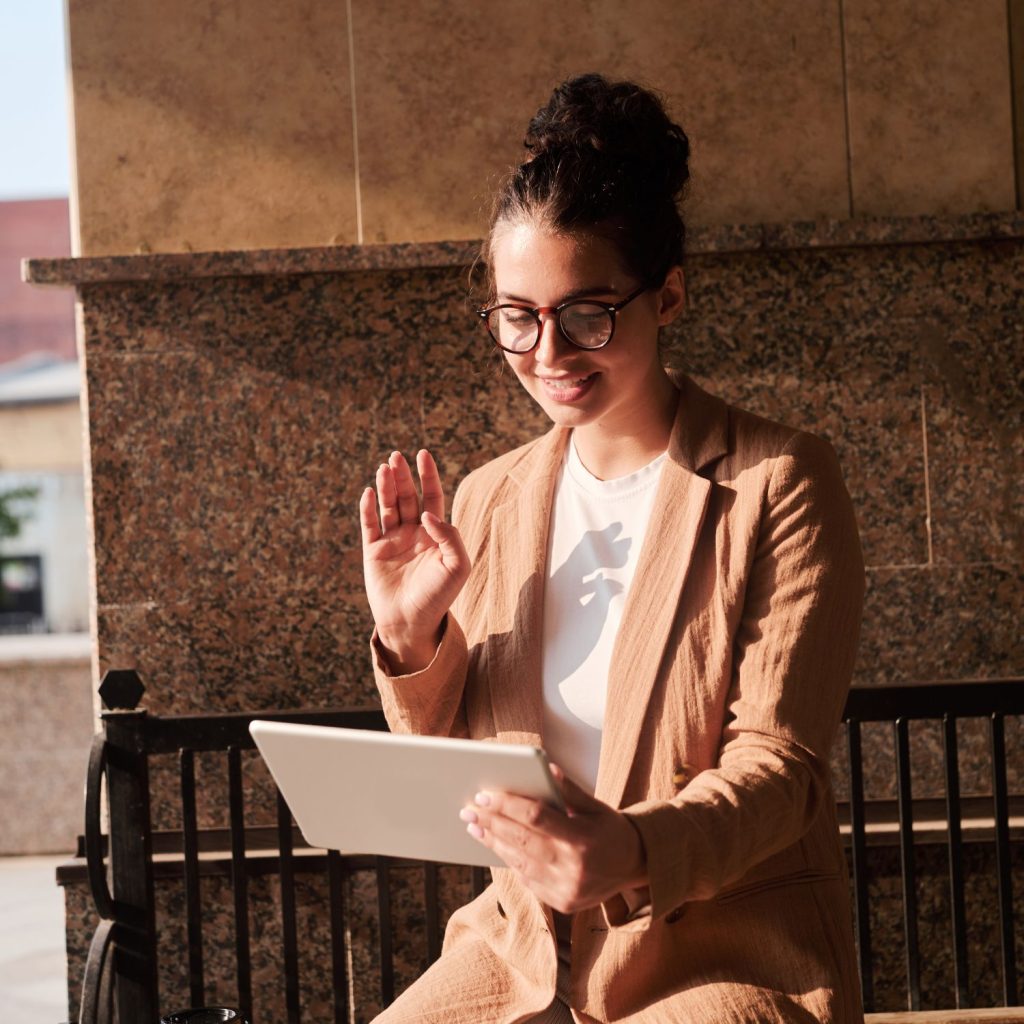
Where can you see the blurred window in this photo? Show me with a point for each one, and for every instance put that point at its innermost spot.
(21, 593)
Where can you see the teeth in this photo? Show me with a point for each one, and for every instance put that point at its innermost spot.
(565, 384)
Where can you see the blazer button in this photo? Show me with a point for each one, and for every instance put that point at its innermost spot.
(683, 774)
(673, 915)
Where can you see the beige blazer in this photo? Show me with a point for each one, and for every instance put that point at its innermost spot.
(725, 691)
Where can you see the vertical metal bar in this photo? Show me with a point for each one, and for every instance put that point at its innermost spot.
(479, 880)
(906, 816)
(430, 898)
(1001, 810)
(858, 847)
(387, 962)
(956, 865)
(239, 881)
(288, 926)
(339, 952)
(193, 903)
(134, 931)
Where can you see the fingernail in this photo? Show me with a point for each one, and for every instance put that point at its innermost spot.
(468, 814)
(475, 831)
(482, 799)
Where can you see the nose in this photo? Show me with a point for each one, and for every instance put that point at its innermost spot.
(551, 344)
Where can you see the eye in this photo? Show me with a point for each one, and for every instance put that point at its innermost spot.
(587, 314)
(516, 317)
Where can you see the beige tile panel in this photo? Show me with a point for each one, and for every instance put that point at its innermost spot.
(444, 91)
(929, 106)
(211, 126)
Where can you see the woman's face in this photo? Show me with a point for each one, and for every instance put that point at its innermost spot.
(610, 387)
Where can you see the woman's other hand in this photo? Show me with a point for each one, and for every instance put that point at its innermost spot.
(414, 562)
(570, 860)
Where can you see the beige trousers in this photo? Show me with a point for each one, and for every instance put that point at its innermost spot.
(449, 987)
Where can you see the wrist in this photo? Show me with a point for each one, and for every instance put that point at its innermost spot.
(404, 653)
(637, 876)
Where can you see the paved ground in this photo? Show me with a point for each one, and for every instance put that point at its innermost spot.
(33, 989)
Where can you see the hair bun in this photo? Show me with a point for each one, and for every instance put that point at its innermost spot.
(603, 156)
(618, 126)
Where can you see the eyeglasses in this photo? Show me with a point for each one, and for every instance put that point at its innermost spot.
(583, 322)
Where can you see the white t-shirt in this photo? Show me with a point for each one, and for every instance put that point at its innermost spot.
(597, 530)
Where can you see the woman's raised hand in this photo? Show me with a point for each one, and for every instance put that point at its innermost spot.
(414, 564)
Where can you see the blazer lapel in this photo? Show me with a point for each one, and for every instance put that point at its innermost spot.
(515, 614)
(652, 604)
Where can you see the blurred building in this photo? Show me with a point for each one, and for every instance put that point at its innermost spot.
(44, 580)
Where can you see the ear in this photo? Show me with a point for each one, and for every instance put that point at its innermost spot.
(672, 297)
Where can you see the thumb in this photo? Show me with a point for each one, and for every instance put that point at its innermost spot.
(445, 536)
(576, 798)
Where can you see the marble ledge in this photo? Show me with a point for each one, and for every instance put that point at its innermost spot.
(711, 240)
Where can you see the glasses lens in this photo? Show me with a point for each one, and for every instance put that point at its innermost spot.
(513, 328)
(586, 324)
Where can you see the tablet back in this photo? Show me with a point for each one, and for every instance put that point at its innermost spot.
(360, 791)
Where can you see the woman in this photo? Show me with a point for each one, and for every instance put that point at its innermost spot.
(663, 590)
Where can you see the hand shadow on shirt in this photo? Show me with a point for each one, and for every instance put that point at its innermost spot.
(586, 620)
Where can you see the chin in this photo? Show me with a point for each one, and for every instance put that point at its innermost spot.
(564, 414)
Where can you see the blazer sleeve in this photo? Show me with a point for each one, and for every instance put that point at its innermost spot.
(430, 702)
(794, 651)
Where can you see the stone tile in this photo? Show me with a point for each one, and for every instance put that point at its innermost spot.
(975, 424)
(877, 437)
(281, 652)
(189, 130)
(822, 342)
(217, 459)
(45, 734)
(929, 107)
(949, 622)
(446, 105)
(245, 409)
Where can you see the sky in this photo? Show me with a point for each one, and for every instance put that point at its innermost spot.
(34, 132)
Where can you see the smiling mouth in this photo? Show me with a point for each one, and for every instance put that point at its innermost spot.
(566, 383)
(567, 389)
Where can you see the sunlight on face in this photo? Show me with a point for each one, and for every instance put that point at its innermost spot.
(613, 389)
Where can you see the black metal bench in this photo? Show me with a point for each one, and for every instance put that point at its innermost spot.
(122, 963)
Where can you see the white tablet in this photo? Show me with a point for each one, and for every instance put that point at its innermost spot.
(361, 791)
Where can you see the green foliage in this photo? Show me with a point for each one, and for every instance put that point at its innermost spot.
(11, 516)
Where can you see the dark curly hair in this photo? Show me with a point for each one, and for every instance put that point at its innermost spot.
(603, 156)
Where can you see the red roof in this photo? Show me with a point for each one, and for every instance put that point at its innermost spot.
(34, 319)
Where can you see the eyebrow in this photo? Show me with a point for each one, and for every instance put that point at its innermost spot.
(579, 293)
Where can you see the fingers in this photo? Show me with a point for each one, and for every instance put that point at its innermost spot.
(405, 488)
(396, 490)
(447, 539)
(521, 848)
(369, 524)
(522, 811)
(430, 484)
(387, 495)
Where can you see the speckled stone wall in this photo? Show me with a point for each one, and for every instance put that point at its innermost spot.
(45, 733)
(239, 402)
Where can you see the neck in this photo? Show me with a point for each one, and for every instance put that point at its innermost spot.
(610, 450)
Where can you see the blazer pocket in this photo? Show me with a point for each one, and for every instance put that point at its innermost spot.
(727, 895)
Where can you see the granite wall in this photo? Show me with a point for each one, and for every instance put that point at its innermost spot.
(235, 126)
(45, 733)
(239, 402)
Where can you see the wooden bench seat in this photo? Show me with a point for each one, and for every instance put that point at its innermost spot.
(996, 1015)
